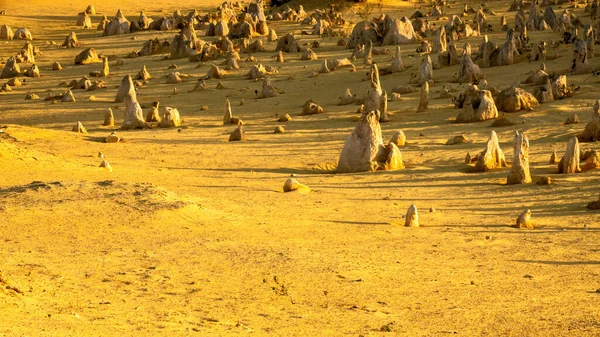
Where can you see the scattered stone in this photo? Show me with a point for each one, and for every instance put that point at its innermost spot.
(570, 161)
(457, 140)
(170, 118)
(591, 133)
(545, 181)
(311, 108)
(279, 129)
(412, 217)
(502, 122)
(109, 119)
(524, 220)
(112, 138)
(79, 128)
(398, 138)
(519, 172)
(364, 150)
(492, 157)
(238, 134)
(573, 119)
(106, 165)
(553, 158)
(292, 184)
(424, 98)
(285, 118)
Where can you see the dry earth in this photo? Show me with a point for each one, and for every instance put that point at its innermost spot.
(192, 235)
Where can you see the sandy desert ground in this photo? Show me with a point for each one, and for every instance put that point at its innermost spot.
(192, 235)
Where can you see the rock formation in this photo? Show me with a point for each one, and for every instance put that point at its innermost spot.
(87, 56)
(424, 98)
(412, 217)
(515, 99)
(267, 89)
(238, 134)
(477, 105)
(524, 220)
(492, 157)
(570, 161)
(109, 119)
(364, 150)
(519, 171)
(11, 69)
(170, 118)
(591, 133)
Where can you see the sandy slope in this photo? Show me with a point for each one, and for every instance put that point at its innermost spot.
(191, 235)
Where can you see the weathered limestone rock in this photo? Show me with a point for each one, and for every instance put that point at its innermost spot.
(492, 157)
(580, 64)
(22, 34)
(468, 72)
(71, 41)
(79, 128)
(308, 54)
(573, 119)
(570, 161)
(109, 119)
(143, 75)
(6, 32)
(285, 118)
(238, 134)
(524, 220)
(515, 99)
(106, 165)
(134, 116)
(425, 71)
(279, 57)
(87, 56)
(68, 97)
(200, 85)
(153, 115)
(125, 88)
(412, 217)
(457, 140)
(424, 98)
(364, 150)
(553, 157)
(56, 66)
(519, 172)
(215, 72)
(33, 71)
(399, 138)
(292, 184)
(267, 89)
(11, 69)
(311, 108)
(84, 20)
(376, 98)
(478, 106)
(288, 44)
(260, 71)
(112, 138)
(591, 133)
(170, 118)
(397, 64)
(439, 40)
(173, 77)
(347, 98)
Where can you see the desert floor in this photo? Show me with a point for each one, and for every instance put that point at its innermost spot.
(192, 235)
